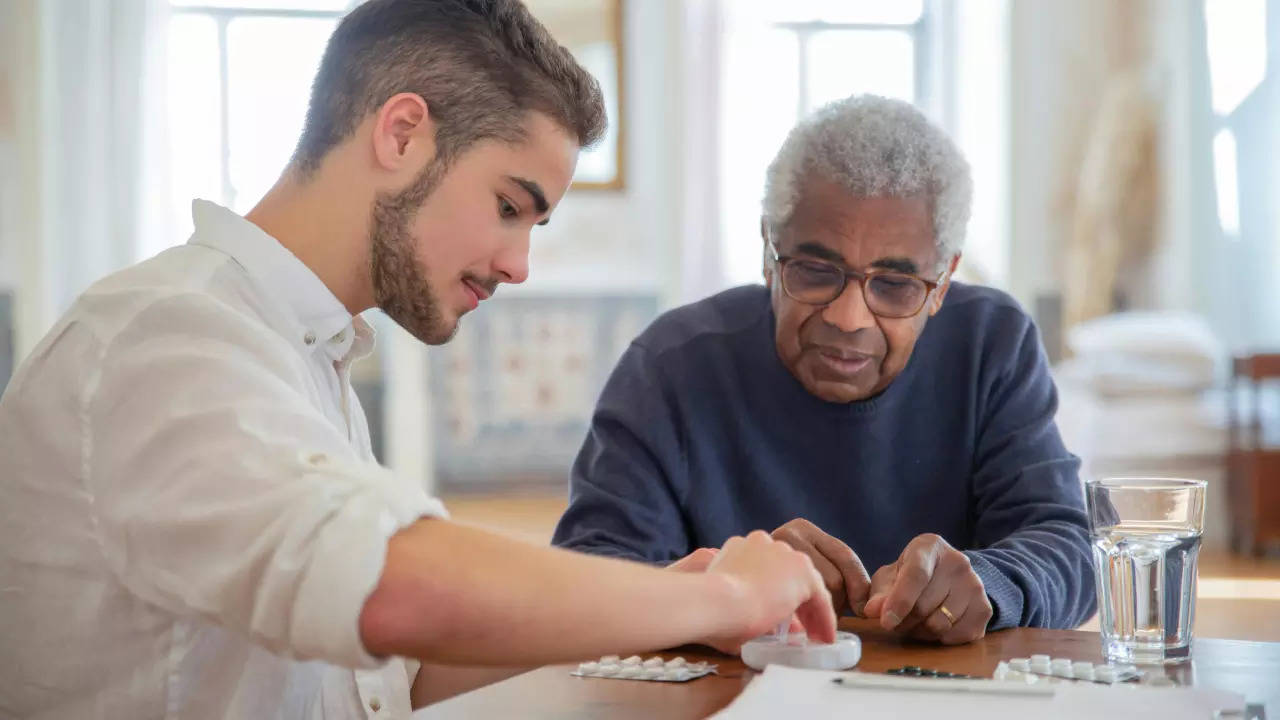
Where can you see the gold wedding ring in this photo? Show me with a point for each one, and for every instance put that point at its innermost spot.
(950, 617)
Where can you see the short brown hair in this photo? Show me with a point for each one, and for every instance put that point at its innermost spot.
(481, 66)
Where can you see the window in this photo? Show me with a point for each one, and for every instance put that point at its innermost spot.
(782, 60)
(240, 74)
(1236, 43)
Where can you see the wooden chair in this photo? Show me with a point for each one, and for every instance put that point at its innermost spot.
(1254, 457)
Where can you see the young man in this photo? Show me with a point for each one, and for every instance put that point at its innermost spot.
(193, 525)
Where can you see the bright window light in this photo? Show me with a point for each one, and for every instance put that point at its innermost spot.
(1236, 34)
(1224, 175)
(845, 62)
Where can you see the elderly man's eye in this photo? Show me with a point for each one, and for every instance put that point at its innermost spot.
(818, 271)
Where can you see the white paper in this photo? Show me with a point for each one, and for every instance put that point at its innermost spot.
(783, 692)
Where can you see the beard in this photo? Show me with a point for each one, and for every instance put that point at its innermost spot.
(400, 285)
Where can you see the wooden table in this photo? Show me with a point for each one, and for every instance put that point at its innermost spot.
(1250, 668)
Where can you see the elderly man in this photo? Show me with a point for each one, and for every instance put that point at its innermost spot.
(876, 413)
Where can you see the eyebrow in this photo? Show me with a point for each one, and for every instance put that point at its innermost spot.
(896, 264)
(535, 192)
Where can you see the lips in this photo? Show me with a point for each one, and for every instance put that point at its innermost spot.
(843, 362)
(476, 292)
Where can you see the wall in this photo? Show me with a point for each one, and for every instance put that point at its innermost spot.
(624, 241)
(616, 244)
(9, 27)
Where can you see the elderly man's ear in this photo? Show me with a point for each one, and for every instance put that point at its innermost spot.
(936, 303)
(765, 269)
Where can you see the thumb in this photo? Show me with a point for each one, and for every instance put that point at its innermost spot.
(881, 584)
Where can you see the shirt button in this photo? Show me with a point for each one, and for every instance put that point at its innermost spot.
(375, 704)
(309, 338)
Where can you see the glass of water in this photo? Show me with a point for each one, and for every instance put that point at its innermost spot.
(1146, 539)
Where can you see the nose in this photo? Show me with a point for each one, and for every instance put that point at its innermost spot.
(849, 312)
(511, 264)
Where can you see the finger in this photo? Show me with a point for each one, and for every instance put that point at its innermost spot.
(881, 583)
(972, 623)
(816, 613)
(915, 570)
(970, 626)
(938, 623)
(927, 604)
(696, 561)
(855, 580)
(831, 576)
(818, 616)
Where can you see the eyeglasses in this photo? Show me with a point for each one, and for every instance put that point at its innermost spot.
(888, 294)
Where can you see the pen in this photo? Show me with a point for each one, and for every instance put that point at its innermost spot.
(987, 687)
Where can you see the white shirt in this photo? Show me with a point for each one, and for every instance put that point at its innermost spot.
(190, 514)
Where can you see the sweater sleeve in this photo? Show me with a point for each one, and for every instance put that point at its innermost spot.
(623, 500)
(1030, 528)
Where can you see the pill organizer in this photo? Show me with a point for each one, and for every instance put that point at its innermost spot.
(633, 668)
(795, 650)
(1062, 670)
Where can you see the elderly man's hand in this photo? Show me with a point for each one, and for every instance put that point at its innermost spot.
(841, 570)
(930, 593)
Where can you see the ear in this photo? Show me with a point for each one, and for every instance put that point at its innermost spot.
(935, 304)
(404, 136)
(764, 254)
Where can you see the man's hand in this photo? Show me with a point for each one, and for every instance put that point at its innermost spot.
(698, 561)
(774, 584)
(841, 570)
(930, 593)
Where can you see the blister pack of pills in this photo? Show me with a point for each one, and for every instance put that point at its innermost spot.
(1063, 670)
(654, 668)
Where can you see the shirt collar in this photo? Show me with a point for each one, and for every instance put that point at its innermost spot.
(317, 320)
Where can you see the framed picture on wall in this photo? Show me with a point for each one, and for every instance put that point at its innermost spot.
(592, 31)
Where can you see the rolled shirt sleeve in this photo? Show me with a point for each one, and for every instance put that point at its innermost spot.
(231, 496)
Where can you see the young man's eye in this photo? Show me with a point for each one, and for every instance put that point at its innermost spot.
(506, 210)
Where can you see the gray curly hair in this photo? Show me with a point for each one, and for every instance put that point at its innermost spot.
(873, 146)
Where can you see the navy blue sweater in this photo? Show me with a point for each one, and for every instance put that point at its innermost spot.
(701, 433)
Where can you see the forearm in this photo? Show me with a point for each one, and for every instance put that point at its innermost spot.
(1039, 576)
(453, 594)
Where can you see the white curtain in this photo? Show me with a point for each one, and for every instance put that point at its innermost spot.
(91, 148)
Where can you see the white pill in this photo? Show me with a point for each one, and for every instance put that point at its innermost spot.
(1040, 658)
(1001, 672)
(1061, 662)
(1104, 673)
(588, 667)
(610, 659)
(653, 662)
(630, 671)
(678, 674)
(1020, 664)
(677, 662)
(1083, 673)
(633, 660)
(607, 669)
(652, 673)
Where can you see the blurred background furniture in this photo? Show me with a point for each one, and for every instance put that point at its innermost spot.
(1254, 444)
